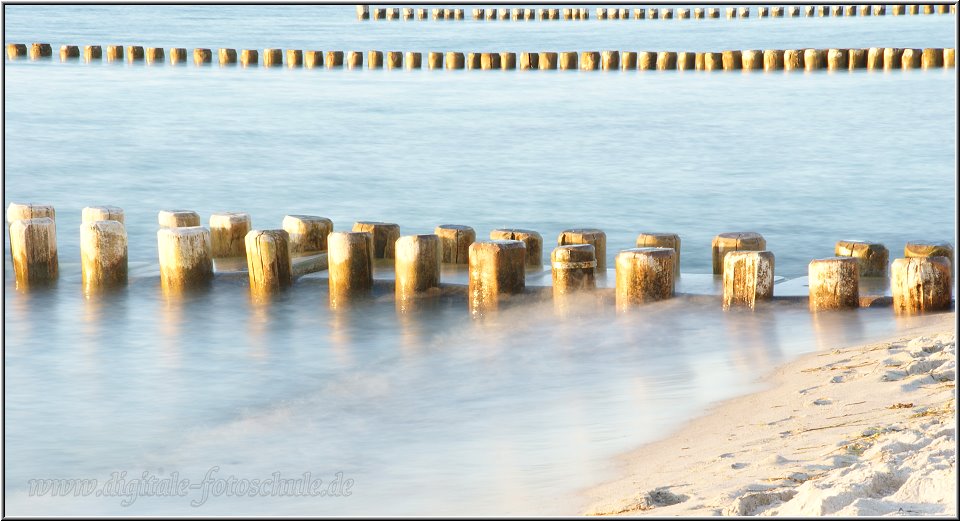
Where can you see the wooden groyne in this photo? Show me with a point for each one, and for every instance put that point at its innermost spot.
(497, 268)
(769, 60)
(367, 12)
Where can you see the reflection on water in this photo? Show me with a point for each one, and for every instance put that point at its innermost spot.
(427, 410)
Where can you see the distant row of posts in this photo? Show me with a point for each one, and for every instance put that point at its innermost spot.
(365, 12)
(921, 281)
(873, 58)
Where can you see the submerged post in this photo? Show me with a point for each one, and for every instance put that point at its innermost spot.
(594, 237)
(496, 269)
(644, 275)
(455, 241)
(228, 231)
(734, 241)
(871, 256)
(662, 240)
(103, 254)
(268, 260)
(573, 267)
(747, 278)
(921, 284)
(384, 235)
(417, 266)
(308, 233)
(202, 56)
(185, 258)
(834, 283)
(533, 243)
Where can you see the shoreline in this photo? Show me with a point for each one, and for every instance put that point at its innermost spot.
(864, 429)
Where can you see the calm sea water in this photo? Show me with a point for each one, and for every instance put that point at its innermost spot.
(432, 413)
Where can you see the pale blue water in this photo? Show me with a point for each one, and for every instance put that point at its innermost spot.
(433, 414)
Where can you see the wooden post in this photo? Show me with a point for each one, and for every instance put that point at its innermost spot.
(857, 59)
(103, 254)
(33, 249)
(628, 61)
(573, 267)
(250, 58)
(712, 61)
(744, 12)
(455, 241)
(879, 10)
(928, 249)
(732, 60)
(294, 58)
(422, 13)
(379, 13)
(793, 60)
(101, 213)
(178, 55)
(850, 10)
(491, 13)
(644, 275)
(568, 61)
(921, 284)
(871, 256)
(92, 53)
(508, 60)
(134, 53)
(394, 59)
(734, 241)
(529, 61)
(662, 240)
(698, 13)
(408, 13)
(686, 61)
(496, 269)
(834, 283)
(354, 60)
(547, 61)
(363, 12)
(898, 9)
(713, 12)
(911, 59)
(772, 60)
(178, 218)
(273, 57)
(350, 264)
(435, 60)
(335, 59)
(639, 14)
(490, 61)
(837, 60)
(666, 13)
(268, 260)
(932, 58)
(16, 50)
(313, 59)
(794, 11)
(473, 60)
(610, 60)
(751, 59)
(227, 56)
(307, 233)
(594, 237)
(666, 61)
(228, 231)
(875, 58)
(153, 54)
(185, 259)
(865, 10)
(384, 235)
(202, 56)
(393, 13)
(19, 211)
(683, 13)
(417, 266)
(813, 59)
(747, 278)
(454, 60)
(40, 50)
(414, 60)
(892, 58)
(532, 241)
(589, 60)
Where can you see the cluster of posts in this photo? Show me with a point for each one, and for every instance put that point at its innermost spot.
(365, 12)
(873, 58)
(921, 281)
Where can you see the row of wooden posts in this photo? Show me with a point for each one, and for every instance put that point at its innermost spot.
(365, 12)
(921, 281)
(873, 58)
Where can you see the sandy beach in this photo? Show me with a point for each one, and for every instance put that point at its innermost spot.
(856, 430)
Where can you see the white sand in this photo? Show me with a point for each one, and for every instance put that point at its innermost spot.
(867, 430)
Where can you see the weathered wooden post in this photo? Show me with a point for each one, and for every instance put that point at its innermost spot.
(547, 61)
(69, 52)
(875, 58)
(932, 58)
(268, 260)
(414, 60)
(573, 267)
(712, 61)
(568, 61)
(178, 55)
(872, 257)
(16, 50)
(417, 266)
(454, 60)
(375, 60)
(644, 275)
(228, 231)
(103, 254)
(911, 59)
(928, 249)
(490, 61)
(589, 60)
(40, 50)
(629, 61)
(813, 59)
(363, 12)
(610, 60)
(185, 258)
(394, 59)
(178, 218)
(307, 233)
(250, 58)
(354, 60)
(646, 60)
(408, 13)
(593, 237)
(455, 241)
(747, 278)
(686, 61)
(435, 60)
(892, 58)
(837, 59)
(666, 61)
(334, 59)
(312, 59)
(921, 284)
(92, 53)
(33, 250)
(734, 241)
(384, 235)
(662, 240)
(732, 60)
(751, 59)
(349, 264)
(496, 269)
(772, 60)
(508, 60)
(834, 283)
(793, 60)
(101, 213)
(153, 54)
(857, 59)
(134, 53)
(529, 61)
(202, 56)
(226, 56)
(533, 243)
